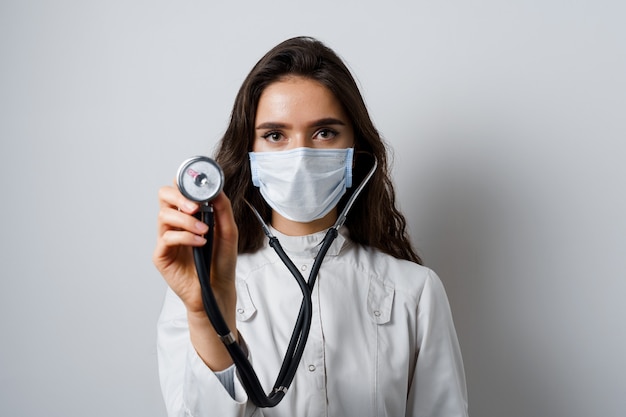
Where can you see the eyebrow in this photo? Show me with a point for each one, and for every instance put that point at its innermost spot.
(327, 121)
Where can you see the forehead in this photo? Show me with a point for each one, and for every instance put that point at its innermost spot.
(298, 97)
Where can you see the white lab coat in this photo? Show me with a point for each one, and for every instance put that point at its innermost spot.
(382, 340)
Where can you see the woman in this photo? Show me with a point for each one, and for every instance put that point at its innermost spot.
(382, 340)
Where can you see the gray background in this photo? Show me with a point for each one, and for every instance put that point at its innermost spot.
(507, 121)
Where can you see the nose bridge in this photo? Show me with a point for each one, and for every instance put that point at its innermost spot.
(300, 138)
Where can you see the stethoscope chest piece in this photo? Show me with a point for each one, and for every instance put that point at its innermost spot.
(200, 179)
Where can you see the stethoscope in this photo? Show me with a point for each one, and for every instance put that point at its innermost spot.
(201, 179)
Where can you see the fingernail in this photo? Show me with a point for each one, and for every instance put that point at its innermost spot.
(199, 239)
(201, 227)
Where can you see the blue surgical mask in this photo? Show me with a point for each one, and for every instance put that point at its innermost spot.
(302, 184)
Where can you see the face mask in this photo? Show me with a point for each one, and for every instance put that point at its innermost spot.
(302, 184)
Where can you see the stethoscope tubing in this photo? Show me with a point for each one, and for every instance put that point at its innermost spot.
(295, 349)
(297, 343)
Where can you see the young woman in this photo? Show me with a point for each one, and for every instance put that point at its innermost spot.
(382, 341)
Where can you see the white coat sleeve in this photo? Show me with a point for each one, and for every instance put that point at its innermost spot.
(438, 386)
(189, 387)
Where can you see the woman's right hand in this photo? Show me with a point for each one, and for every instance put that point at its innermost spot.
(178, 232)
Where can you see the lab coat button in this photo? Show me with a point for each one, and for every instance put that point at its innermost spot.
(240, 310)
(312, 368)
(377, 313)
(303, 267)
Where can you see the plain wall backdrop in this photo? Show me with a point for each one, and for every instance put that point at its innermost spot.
(507, 124)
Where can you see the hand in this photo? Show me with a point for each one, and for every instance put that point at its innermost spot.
(178, 232)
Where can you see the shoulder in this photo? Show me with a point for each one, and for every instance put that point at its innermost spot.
(404, 276)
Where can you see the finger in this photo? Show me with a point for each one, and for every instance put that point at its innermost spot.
(173, 238)
(168, 247)
(172, 219)
(170, 196)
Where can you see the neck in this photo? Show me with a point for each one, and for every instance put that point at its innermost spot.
(293, 228)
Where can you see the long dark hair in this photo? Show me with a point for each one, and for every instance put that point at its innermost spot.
(374, 219)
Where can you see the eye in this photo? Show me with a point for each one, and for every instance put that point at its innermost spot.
(273, 136)
(326, 134)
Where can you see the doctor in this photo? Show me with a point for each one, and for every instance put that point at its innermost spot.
(382, 340)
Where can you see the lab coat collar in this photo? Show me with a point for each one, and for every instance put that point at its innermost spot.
(308, 245)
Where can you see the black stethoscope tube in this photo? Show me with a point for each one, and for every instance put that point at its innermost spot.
(295, 349)
(301, 328)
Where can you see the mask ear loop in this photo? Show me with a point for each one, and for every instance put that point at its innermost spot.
(341, 219)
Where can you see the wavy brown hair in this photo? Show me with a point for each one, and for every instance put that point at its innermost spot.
(374, 219)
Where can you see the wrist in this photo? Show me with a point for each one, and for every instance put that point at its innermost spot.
(206, 342)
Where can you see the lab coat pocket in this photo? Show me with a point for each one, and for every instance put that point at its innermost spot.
(245, 306)
(379, 300)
